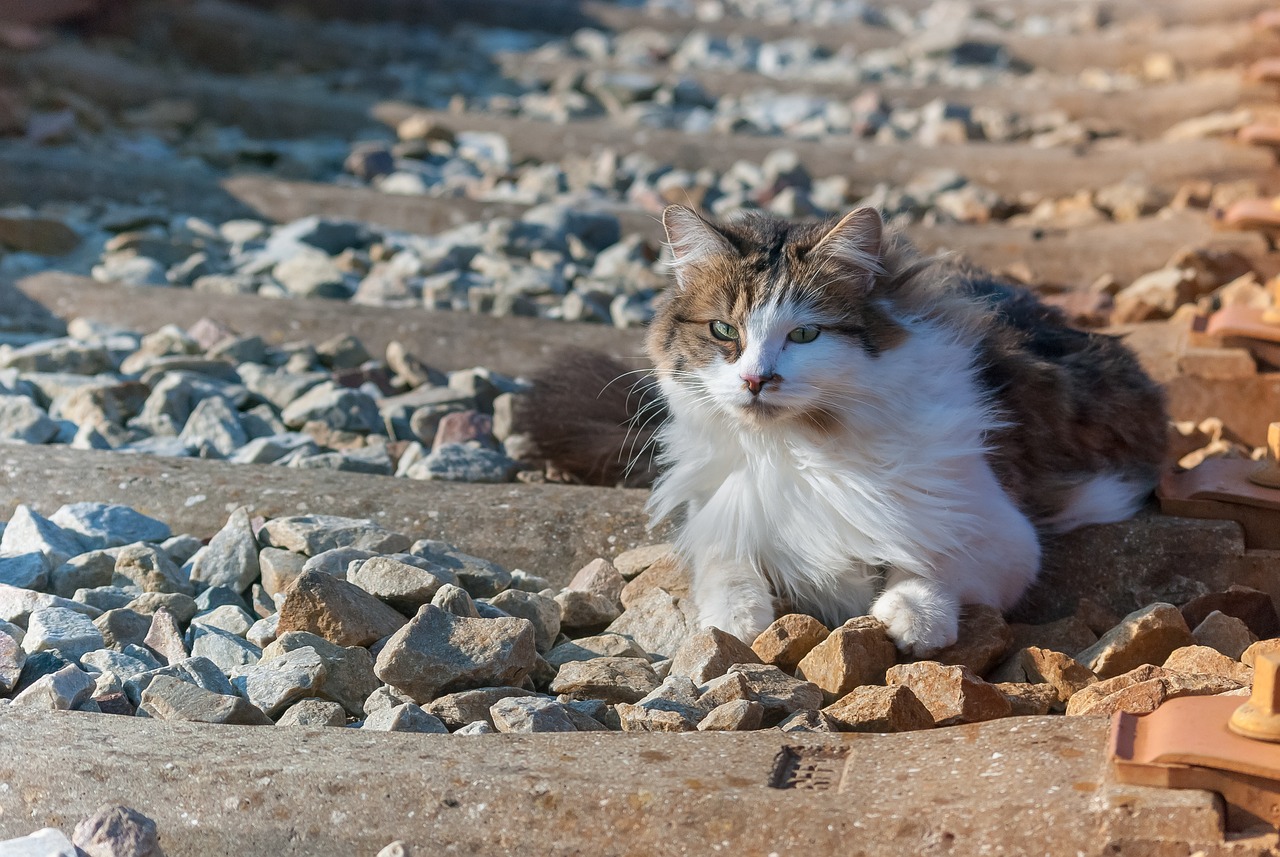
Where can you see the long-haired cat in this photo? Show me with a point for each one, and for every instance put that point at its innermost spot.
(859, 429)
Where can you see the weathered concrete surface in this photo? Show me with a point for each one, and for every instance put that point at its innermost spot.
(1027, 786)
(549, 530)
(447, 340)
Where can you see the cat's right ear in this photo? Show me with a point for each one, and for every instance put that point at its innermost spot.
(692, 240)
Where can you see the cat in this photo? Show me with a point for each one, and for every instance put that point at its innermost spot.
(856, 428)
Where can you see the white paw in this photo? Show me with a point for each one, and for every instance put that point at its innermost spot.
(921, 619)
(745, 624)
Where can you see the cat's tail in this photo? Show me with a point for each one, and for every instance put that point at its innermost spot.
(593, 419)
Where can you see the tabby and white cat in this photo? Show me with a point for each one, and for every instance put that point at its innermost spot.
(858, 429)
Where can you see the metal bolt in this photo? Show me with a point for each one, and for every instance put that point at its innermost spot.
(1259, 718)
(1268, 472)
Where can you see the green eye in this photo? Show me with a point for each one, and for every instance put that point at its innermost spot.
(803, 334)
(726, 332)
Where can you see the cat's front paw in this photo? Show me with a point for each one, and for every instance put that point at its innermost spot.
(920, 618)
(746, 625)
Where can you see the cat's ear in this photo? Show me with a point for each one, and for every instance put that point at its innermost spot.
(854, 242)
(692, 240)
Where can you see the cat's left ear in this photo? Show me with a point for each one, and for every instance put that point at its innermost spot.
(854, 242)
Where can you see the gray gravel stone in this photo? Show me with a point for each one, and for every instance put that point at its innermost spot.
(349, 679)
(457, 462)
(312, 275)
(738, 715)
(779, 693)
(164, 637)
(313, 534)
(265, 631)
(169, 698)
(118, 664)
(480, 727)
(279, 568)
(601, 577)
(64, 690)
(231, 558)
(613, 680)
(86, 571)
(46, 842)
(600, 646)
(340, 408)
(225, 649)
(227, 617)
(27, 531)
(455, 600)
(12, 658)
(56, 628)
(335, 562)
(183, 607)
(438, 652)
(480, 577)
(27, 570)
(213, 430)
(107, 525)
(584, 612)
(541, 610)
(275, 684)
(313, 712)
(106, 597)
(467, 706)
(201, 672)
(658, 622)
(523, 714)
(149, 569)
(337, 611)
(405, 587)
(16, 604)
(23, 421)
(117, 831)
(122, 627)
(405, 717)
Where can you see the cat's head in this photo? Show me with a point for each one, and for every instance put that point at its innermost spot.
(766, 320)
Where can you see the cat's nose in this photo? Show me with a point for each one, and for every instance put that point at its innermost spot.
(755, 383)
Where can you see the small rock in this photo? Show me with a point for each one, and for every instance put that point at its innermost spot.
(667, 573)
(405, 587)
(164, 637)
(46, 842)
(1202, 660)
(736, 715)
(808, 720)
(183, 607)
(600, 646)
(540, 610)
(276, 684)
(984, 639)
(16, 604)
(313, 534)
(437, 652)
(855, 654)
(584, 612)
(86, 571)
(726, 688)
(117, 831)
(1146, 636)
(25, 571)
(12, 657)
(106, 525)
(1034, 665)
(405, 717)
(1029, 700)
(312, 275)
(29, 532)
(612, 679)
(456, 710)
(479, 577)
(336, 610)
(1142, 690)
(779, 693)
(953, 694)
(56, 628)
(226, 650)
(657, 621)
(709, 653)
(149, 569)
(455, 600)
(1224, 633)
(23, 421)
(879, 709)
(279, 568)
(631, 563)
(785, 642)
(601, 577)
(1250, 655)
(456, 462)
(522, 714)
(228, 617)
(63, 690)
(313, 712)
(231, 559)
(349, 677)
(648, 718)
(1255, 609)
(169, 698)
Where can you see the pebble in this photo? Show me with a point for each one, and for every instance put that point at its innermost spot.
(231, 558)
(657, 622)
(403, 586)
(952, 694)
(117, 831)
(405, 717)
(779, 693)
(149, 569)
(169, 698)
(313, 712)
(29, 532)
(1255, 609)
(437, 653)
(600, 577)
(107, 525)
(524, 714)
(479, 577)
(63, 690)
(1045, 666)
(879, 709)
(348, 675)
(24, 421)
(164, 637)
(709, 654)
(456, 710)
(611, 679)
(12, 659)
(313, 534)
(275, 684)
(337, 611)
(1146, 636)
(458, 462)
(542, 611)
(226, 650)
(585, 612)
(736, 715)
(984, 639)
(70, 633)
(788, 639)
(46, 842)
(25, 571)
(1142, 690)
(1201, 660)
(16, 604)
(856, 653)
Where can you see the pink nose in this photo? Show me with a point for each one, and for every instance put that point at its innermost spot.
(755, 383)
